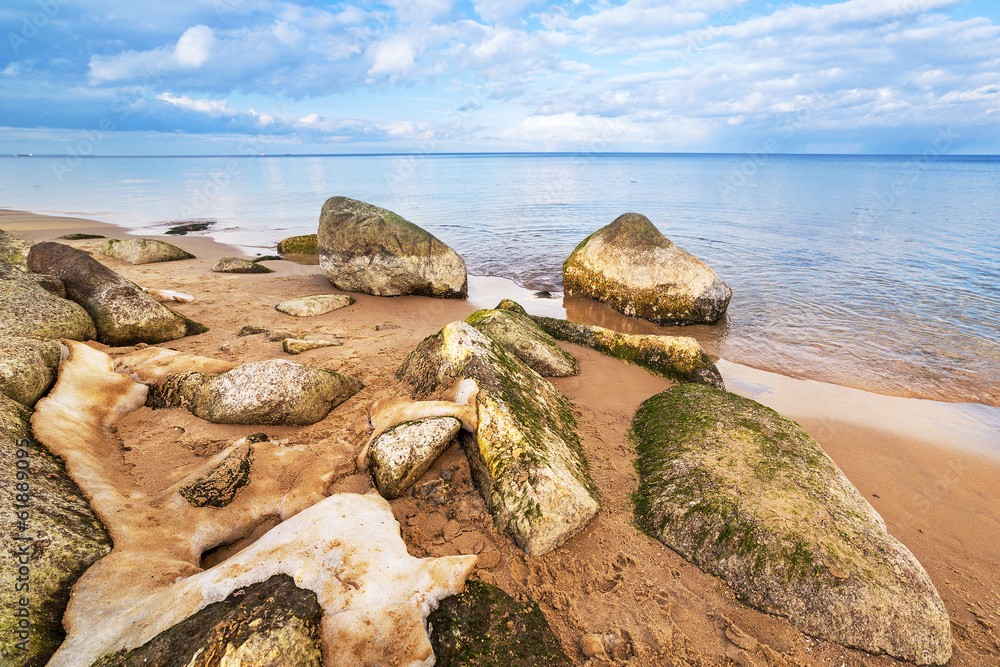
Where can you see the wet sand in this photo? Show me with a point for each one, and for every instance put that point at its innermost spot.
(929, 468)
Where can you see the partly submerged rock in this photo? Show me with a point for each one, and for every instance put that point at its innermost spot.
(14, 250)
(239, 265)
(143, 251)
(31, 311)
(123, 313)
(28, 367)
(276, 391)
(484, 626)
(749, 496)
(317, 304)
(182, 230)
(633, 268)
(219, 486)
(525, 456)
(520, 336)
(299, 245)
(402, 454)
(50, 538)
(364, 248)
(677, 358)
(300, 345)
(273, 623)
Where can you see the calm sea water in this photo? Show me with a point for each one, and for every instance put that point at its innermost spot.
(875, 272)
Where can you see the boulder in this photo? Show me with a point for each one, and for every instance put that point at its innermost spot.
(749, 496)
(143, 251)
(273, 623)
(299, 245)
(14, 250)
(300, 345)
(32, 311)
(403, 453)
(483, 626)
(633, 268)
(276, 391)
(364, 248)
(47, 544)
(317, 304)
(28, 367)
(123, 313)
(520, 336)
(677, 358)
(525, 455)
(239, 265)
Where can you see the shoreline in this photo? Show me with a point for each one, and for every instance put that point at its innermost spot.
(926, 466)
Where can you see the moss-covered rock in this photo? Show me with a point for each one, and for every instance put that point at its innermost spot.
(402, 454)
(484, 627)
(316, 304)
(525, 456)
(299, 245)
(183, 230)
(143, 251)
(28, 368)
(219, 486)
(50, 536)
(273, 623)
(749, 496)
(239, 265)
(520, 336)
(14, 250)
(80, 236)
(364, 248)
(32, 311)
(677, 358)
(633, 268)
(123, 314)
(276, 391)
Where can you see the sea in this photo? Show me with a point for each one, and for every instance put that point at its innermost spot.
(875, 272)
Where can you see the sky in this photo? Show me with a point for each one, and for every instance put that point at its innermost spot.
(109, 77)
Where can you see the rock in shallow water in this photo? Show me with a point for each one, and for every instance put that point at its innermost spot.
(749, 496)
(633, 268)
(364, 248)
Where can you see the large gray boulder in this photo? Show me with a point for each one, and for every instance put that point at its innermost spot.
(364, 248)
(525, 456)
(275, 392)
(50, 537)
(520, 336)
(749, 496)
(123, 313)
(28, 367)
(402, 454)
(143, 251)
(32, 311)
(14, 250)
(636, 270)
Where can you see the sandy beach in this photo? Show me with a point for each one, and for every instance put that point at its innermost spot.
(930, 469)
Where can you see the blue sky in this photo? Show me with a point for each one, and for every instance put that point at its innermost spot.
(108, 77)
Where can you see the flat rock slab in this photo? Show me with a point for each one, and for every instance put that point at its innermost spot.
(525, 456)
(276, 392)
(239, 265)
(636, 270)
(523, 338)
(31, 311)
(123, 313)
(364, 248)
(317, 304)
(749, 496)
(401, 455)
(300, 345)
(143, 251)
(28, 368)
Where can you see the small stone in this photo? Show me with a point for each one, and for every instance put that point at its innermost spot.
(318, 304)
(299, 345)
(592, 646)
(219, 486)
(239, 265)
(251, 329)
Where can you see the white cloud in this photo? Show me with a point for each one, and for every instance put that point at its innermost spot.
(191, 51)
(195, 46)
(394, 55)
(211, 107)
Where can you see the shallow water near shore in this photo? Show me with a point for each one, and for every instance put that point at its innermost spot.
(873, 272)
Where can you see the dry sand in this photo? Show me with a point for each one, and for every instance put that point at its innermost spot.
(929, 469)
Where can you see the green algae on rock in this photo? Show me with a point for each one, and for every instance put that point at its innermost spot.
(49, 546)
(484, 627)
(34, 312)
(143, 251)
(275, 392)
(28, 367)
(636, 270)
(749, 496)
(14, 250)
(299, 245)
(520, 336)
(525, 456)
(271, 623)
(367, 249)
